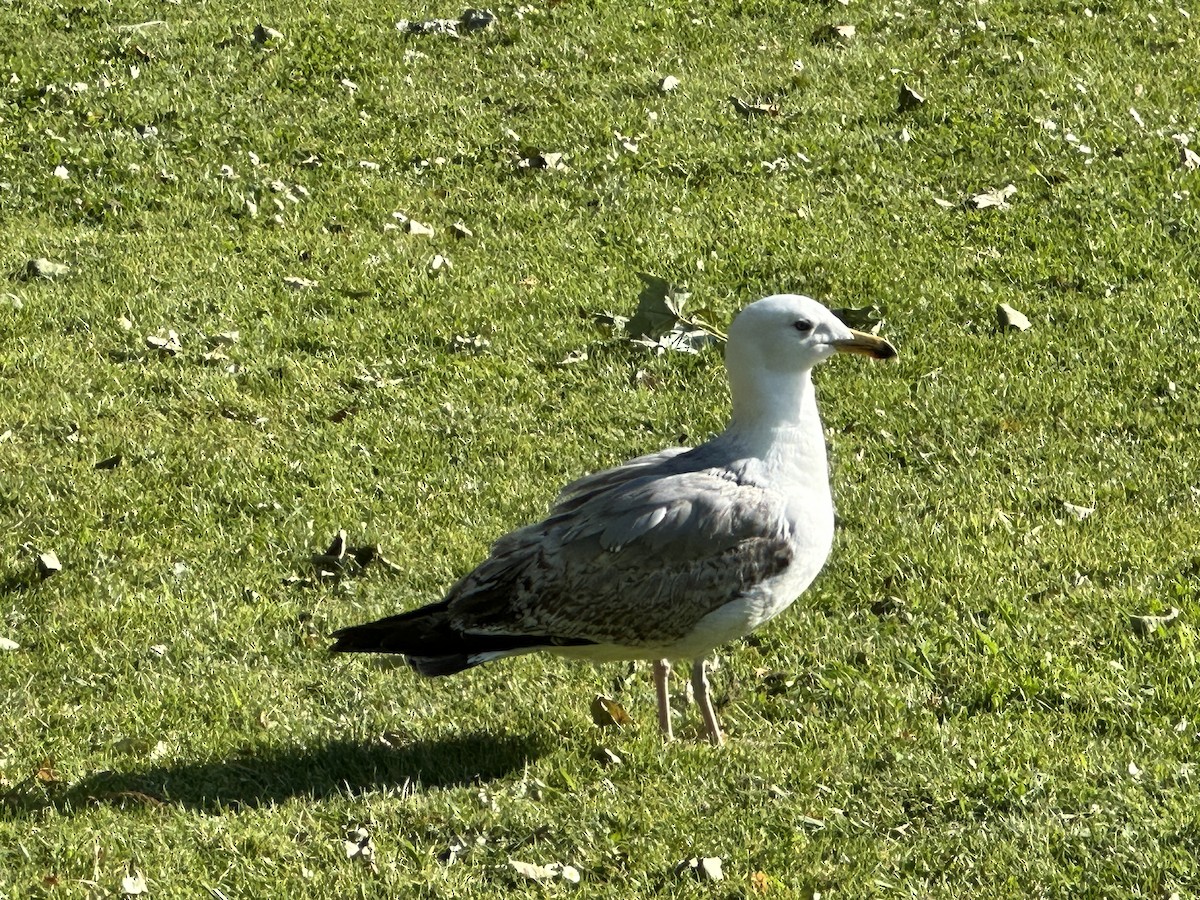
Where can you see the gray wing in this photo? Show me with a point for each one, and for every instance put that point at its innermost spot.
(637, 564)
(581, 489)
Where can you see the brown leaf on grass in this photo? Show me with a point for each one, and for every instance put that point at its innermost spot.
(46, 773)
(608, 713)
(760, 882)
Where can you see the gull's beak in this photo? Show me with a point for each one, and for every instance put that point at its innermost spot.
(866, 344)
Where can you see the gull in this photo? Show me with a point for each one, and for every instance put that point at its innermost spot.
(669, 555)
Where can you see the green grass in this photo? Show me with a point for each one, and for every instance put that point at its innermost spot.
(959, 707)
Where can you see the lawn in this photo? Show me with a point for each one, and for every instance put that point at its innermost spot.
(992, 690)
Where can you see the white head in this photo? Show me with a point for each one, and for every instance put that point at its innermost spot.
(773, 345)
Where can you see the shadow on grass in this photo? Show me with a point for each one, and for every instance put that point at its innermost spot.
(273, 775)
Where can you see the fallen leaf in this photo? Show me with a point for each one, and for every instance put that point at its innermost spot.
(266, 36)
(1010, 319)
(863, 318)
(223, 339)
(134, 883)
(357, 845)
(48, 564)
(539, 159)
(997, 199)
(47, 269)
(1079, 512)
(703, 868)
(760, 882)
(470, 343)
(7, 644)
(471, 20)
(168, 345)
(532, 871)
(606, 757)
(754, 109)
(841, 34)
(608, 713)
(1145, 625)
(910, 99)
(46, 773)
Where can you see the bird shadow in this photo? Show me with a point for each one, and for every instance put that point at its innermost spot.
(276, 774)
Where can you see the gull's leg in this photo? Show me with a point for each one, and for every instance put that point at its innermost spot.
(662, 672)
(700, 694)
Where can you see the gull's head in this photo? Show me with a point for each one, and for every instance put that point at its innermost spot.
(793, 333)
(773, 345)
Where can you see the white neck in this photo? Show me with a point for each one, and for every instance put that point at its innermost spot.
(775, 419)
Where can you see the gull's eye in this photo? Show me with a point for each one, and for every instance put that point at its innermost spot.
(803, 326)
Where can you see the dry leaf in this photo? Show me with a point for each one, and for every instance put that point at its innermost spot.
(45, 268)
(134, 883)
(910, 99)
(532, 871)
(48, 564)
(357, 845)
(1079, 512)
(703, 868)
(608, 713)
(997, 199)
(168, 345)
(265, 36)
(1145, 625)
(754, 109)
(46, 773)
(606, 757)
(1010, 319)
(760, 882)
